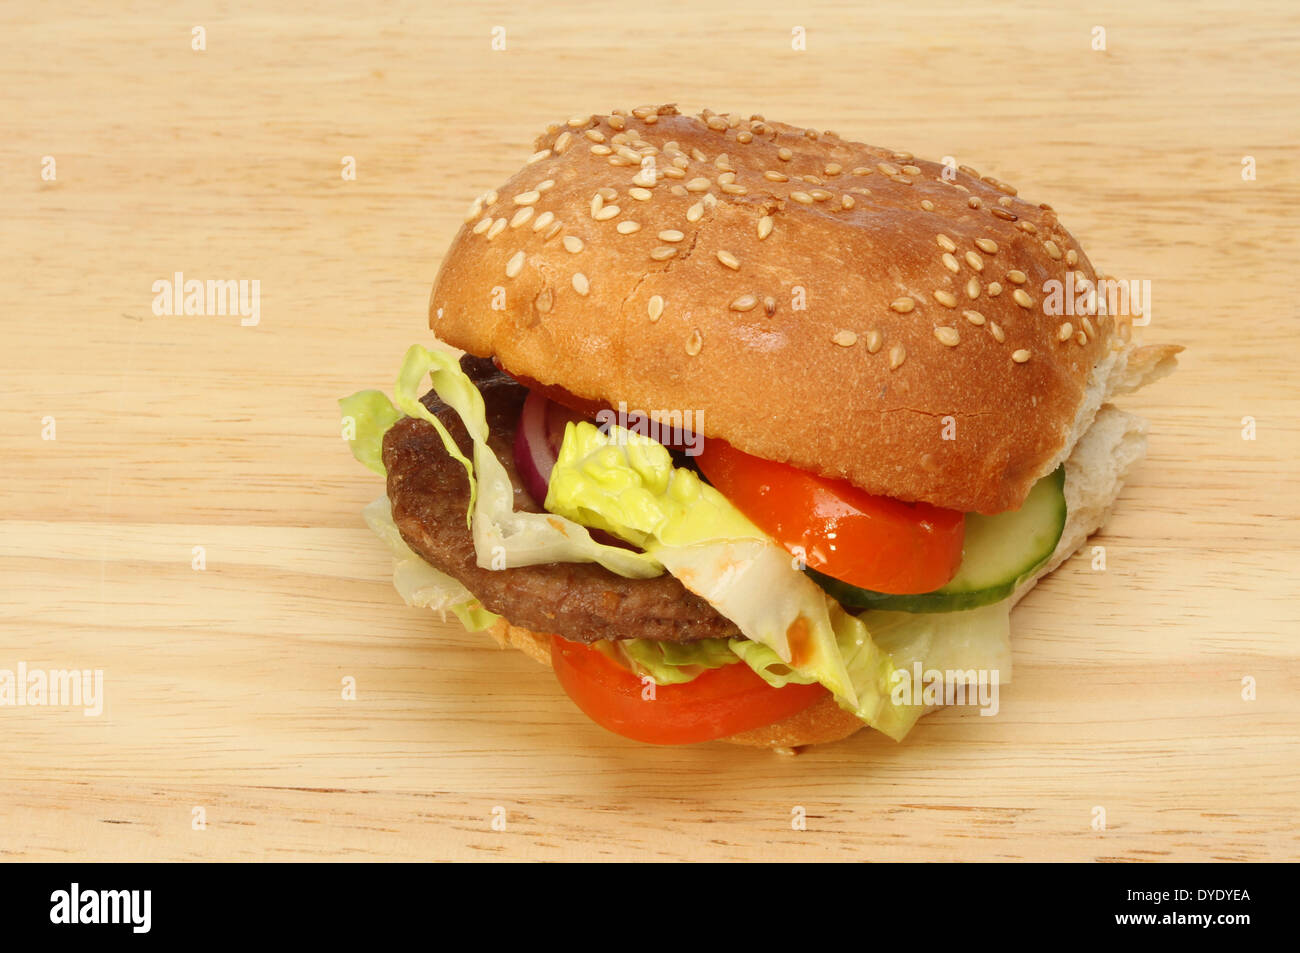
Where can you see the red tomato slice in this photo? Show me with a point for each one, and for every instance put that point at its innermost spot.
(720, 702)
(869, 541)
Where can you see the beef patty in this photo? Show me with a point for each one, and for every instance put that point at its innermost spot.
(583, 602)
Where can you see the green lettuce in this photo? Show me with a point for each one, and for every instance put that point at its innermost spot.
(418, 583)
(503, 537)
(626, 484)
(371, 413)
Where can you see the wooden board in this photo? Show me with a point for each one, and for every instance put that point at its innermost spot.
(223, 685)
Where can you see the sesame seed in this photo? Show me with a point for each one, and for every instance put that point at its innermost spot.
(538, 156)
(515, 264)
(973, 288)
(744, 303)
(606, 193)
(1053, 251)
(1065, 332)
(888, 168)
(996, 332)
(975, 202)
(773, 176)
(663, 253)
(580, 283)
(670, 235)
(497, 228)
(903, 156)
(949, 337)
(726, 177)
(595, 135)
(1027, 227)
(578, 121)
(716, 123)
(951, 263)
(902, 305)
(655, 307)
(945, 298)
(994, 289)
(694, 343)
(475, 210)
(1089, 328)
(1021, 297)
(1004, 214)
(975, 261)
(987, 245)
(1020, 356)
(694, 212)
(845, 338)
(553, 231)
(617, 122)
(802, 198)
(628, 227)
(698, 156)
(927, 205)
(732, 189)
(641, 195)
(483, 225)
(764, 226)
(833, 168)
(946, 243)
(730, 260)
(745, 137)
(974, 317)
(606, 213)
(847, 201)
(698, 185)
(673, 172)
(562, 141)
(861, 170)
(1080, 337)
(601, 151)
(897, 355)
(874, 340)
(572, 243)
(785, 155)
(1016, 277)
(521, 216)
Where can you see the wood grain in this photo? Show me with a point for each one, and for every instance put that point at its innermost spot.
(223, 685)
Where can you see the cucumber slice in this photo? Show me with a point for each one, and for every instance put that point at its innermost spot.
(999, 552)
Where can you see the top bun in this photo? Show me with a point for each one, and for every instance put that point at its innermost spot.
(851, 310)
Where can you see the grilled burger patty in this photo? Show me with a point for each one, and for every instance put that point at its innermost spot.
(583, 602)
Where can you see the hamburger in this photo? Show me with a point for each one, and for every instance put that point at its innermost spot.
(755, 427)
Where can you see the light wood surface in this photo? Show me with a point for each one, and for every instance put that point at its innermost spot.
(223, 685)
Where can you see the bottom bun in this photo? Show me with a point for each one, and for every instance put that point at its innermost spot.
(1096, 470)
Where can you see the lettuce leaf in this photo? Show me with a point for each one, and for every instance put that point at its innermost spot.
(670, 663)
(503, 537)
(371, 414)
(418, 583)
(626, 484)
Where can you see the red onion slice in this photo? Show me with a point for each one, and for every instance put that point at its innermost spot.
(534, 456)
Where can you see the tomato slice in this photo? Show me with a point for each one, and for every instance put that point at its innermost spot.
(720, 702)
(873, 542)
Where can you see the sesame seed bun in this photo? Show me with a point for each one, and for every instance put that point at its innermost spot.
(851, 310)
